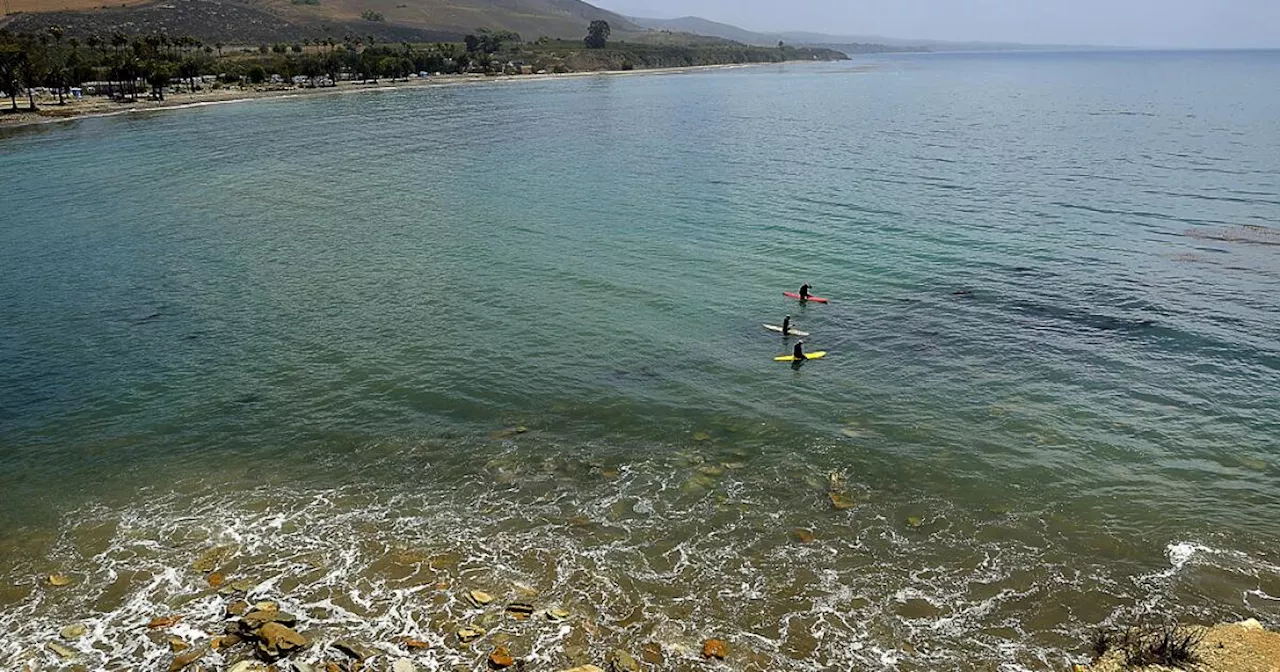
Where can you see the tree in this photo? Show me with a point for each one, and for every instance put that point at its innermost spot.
(10, 72)
(472, 43)
(257, 74)
(597, 34)
(158, 74)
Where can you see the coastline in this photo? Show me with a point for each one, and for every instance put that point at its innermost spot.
(52, 113)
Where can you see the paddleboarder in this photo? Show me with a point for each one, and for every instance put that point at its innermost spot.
(804, 292)
(798, 351)
(786, 325)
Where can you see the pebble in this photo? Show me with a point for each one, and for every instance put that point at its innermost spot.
(715, 648)
(352, 649)
(411, 643)
(914, 521)
(803, 536)
(58, 580)
(479, 597)
(403, 665)
(248, 666)
(520, 610)
(216, 580)
(73, 631)
(583, 668)
(266, 605)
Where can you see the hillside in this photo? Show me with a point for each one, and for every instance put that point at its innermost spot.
(261, 21)
(846, 43)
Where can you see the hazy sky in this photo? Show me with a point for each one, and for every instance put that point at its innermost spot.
(1172, 23)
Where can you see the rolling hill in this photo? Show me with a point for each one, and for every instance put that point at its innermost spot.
(260, 21)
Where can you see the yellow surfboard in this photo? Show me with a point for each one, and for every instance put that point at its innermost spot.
(808, 355)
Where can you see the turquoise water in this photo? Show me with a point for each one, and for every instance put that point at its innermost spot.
(394, 345)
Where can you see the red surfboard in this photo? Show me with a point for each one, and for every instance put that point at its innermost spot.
(815, 299)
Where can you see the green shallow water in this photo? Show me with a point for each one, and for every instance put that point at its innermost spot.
(309, 328)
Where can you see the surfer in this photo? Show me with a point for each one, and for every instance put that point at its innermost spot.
(786, 325)
(798, 351)
(804, 292)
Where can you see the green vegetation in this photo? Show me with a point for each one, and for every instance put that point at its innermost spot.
(370, 15)
(118, 66)
(597, 34)
(305, 2)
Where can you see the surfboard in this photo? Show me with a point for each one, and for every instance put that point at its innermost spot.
(815, 299)
(808, 355)
(793, 332)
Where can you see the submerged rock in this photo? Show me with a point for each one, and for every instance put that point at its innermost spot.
(403, 665)
(621, 661)
(466, 635)
(802, 535)
(216, 580)
(715, 648)
(353, 650)
(248, 666)
(914, 521)
(651, 653)
(164, 621)
(73, 631)
(841, 501)
(210, 559)
(479, 598)
(583, 668)
(58, 580)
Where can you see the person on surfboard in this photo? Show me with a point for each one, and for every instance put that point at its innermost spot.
(804, 292)
(786, 325)
(798, 351)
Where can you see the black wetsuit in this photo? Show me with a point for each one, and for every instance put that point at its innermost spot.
(804, 292)
(786, 326)
(798, 352)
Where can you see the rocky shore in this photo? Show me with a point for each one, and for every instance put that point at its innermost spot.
(265, 635)
(1235, 647)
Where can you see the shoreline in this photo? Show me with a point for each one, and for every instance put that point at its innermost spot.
(52, 113)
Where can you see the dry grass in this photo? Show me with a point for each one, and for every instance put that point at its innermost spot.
(61, 5)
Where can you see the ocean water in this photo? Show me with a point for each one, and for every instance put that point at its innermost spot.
(387, 347)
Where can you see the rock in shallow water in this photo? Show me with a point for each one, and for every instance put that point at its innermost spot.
(621, 661)
(715, 648)
(501, 658)
(73, 631)
(479, 598)
(187, 657)
(276, 640)
(64, 652)
(403, 665)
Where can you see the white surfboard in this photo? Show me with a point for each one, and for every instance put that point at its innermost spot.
(793, 332)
